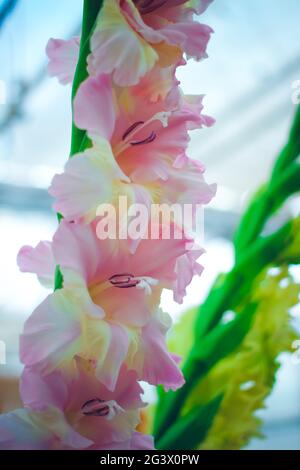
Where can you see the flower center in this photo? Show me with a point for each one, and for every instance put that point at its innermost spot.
(125, 281)
(128, 136)
(97, 407)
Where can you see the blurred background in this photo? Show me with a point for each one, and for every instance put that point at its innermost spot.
(254, 57)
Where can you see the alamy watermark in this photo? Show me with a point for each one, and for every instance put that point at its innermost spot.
(155, 221)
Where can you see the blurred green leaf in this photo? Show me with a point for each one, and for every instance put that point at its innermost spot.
(223, 339)
(292, 149)
(191, 429)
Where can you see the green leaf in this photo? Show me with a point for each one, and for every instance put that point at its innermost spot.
(191, 429)
(292, 150)
(58, 278)
(231, 289)
(91, 10)
(223, 339)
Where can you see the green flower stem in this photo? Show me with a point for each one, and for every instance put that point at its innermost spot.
(91, 9)
(79, 137)
(190, 429)
(284, 182)
(229, 292)
(292, 150)
(264, 205)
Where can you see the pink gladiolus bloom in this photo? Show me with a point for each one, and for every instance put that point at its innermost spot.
(135, 150)
(39, 260)
(22, 430)
(140, 34)
(63, 57)
(63, 412)
(89, 343)
(108, 305)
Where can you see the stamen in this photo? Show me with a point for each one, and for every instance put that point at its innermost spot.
(123, 281)
(145, 284)
(135, 128)
(148, 140)
(163, 117)
(131, 129)
(97, 407)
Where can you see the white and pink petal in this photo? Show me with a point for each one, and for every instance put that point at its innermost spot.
(63, 57)
(38, 260)
(94, 108)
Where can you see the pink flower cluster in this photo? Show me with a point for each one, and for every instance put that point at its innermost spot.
(87, 345)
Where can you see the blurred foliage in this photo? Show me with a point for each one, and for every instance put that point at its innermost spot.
(247, 376)
(231, 343)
